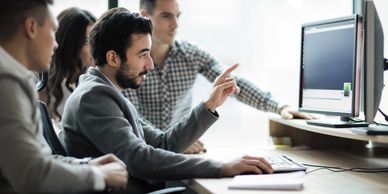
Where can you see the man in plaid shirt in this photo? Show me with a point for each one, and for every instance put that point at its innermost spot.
(166, 96)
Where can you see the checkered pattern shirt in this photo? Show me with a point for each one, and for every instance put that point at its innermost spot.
(166, 95)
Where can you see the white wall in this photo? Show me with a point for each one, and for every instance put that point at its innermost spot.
(262, 35)
(96, 7)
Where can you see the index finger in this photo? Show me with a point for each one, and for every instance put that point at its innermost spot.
(227, 72)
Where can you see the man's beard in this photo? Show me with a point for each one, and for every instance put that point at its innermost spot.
(125, 81)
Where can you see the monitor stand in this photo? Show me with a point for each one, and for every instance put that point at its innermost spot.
(344, 122)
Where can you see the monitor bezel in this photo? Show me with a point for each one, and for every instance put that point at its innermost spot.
(357, 58)
(373, 61)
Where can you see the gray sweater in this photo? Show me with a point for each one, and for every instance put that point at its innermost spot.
(26, 163)
(98, 119)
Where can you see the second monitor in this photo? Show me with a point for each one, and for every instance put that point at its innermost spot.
(330, 69)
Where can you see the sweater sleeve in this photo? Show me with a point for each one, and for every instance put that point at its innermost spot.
(25, 157)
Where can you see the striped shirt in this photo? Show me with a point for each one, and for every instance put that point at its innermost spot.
(166, 95)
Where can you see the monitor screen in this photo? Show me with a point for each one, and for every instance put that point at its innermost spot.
(330, 67)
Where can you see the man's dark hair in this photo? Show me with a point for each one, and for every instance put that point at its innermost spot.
(14, 12)
(148, 5)
(113, 31)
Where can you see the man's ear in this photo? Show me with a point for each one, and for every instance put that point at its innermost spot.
(30, 27)
(143, 13)
(112, 59)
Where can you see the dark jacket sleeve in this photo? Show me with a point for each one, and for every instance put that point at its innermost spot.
(180, 136)
(104, 122)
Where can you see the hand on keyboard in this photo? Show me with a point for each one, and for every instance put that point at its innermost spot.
(246, 164)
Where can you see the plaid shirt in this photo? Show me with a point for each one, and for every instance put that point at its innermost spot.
(166, 95)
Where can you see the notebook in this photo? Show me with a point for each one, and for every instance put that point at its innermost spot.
(281, 181)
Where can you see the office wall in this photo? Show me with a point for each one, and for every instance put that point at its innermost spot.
(96, 7)
(262, 35)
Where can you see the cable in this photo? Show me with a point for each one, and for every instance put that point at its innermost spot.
(385, 116)
(308, 172)
(339, 169)
(386, 64)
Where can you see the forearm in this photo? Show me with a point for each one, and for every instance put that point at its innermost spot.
(179, 137)
(29, 168)
(253, 96)
(148, 163)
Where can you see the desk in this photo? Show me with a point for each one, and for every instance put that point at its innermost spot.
(334, 148)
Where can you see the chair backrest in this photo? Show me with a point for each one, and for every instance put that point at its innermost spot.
(49, 132)
(42, 81)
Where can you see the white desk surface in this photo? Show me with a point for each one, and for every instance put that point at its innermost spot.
(322, 181)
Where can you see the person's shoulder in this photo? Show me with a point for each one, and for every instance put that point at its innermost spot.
(92, 84)
(10, 79)
(17, 93)
(185, 45)
(188, 48)
(8, 72)
(11, 68)
(92, 87)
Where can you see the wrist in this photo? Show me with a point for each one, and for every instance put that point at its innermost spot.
(99, 179)
(224, 170)
(210, 106)
(282, 107)
(82, 160)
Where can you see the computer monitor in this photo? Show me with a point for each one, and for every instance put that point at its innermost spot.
(373, 61)
(374, 66)
(330, 70)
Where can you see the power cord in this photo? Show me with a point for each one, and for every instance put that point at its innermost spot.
(360, 120)
(386, 64)
(339, 169)
(385, 116)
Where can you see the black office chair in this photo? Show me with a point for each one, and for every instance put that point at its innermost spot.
(48, 129)
(56, 145)
(49, 132)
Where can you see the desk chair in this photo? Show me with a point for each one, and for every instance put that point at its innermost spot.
(49, 132)
(56, 145)
(48, 129)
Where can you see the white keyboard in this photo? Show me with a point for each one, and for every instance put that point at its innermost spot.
(282, 163)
